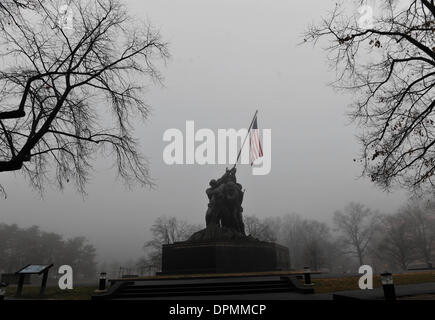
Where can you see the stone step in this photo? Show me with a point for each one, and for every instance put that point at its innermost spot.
(173, 288)
(124, 294)
(205, 288)
(208, 285)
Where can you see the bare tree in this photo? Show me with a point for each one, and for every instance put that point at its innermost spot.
(357, 226)
(390, 69)
(310, 242)
(421, 220)
(316, 242)
(396, 245)
(290, 236)
(263, 230)
(66, 94)
(169, 230)
(165, 231)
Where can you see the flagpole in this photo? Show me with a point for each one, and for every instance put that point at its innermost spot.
(244, 141)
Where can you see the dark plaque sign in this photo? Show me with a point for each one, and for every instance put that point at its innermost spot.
(33, 269)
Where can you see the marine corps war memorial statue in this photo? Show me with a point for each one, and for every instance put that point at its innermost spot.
(223, 246)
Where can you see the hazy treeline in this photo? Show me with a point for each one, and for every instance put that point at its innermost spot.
(19, 247)
(165, 230)
(354, 236)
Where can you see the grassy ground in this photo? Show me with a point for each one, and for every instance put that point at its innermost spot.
(327, 285)
(53, 293)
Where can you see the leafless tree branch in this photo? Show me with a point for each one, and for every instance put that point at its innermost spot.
(66, 94)
(390, 69)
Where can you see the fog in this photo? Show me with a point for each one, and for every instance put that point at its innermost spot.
(229, 58)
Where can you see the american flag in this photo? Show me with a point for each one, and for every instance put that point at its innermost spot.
(255, 149)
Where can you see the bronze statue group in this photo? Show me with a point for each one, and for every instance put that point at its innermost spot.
(225, 203)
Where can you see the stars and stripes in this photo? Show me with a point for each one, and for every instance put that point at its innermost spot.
(255, 149)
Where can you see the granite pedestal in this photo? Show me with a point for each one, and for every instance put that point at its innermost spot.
(224, 257)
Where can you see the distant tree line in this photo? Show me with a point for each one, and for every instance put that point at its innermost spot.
(22, 246)
(357, 235)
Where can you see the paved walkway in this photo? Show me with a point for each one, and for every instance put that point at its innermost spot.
(403, 291)
(258, 296)
(423, 291)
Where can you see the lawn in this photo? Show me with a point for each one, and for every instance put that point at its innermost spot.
(53, 293)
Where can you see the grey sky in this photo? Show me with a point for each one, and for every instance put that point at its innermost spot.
(228, 59)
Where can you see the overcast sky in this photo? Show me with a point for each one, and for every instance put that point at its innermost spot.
(228, 59)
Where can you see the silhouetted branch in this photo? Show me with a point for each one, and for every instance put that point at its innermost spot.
(390, 69)
(55, 97)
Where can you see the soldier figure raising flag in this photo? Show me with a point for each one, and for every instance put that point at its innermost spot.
(226, 195)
